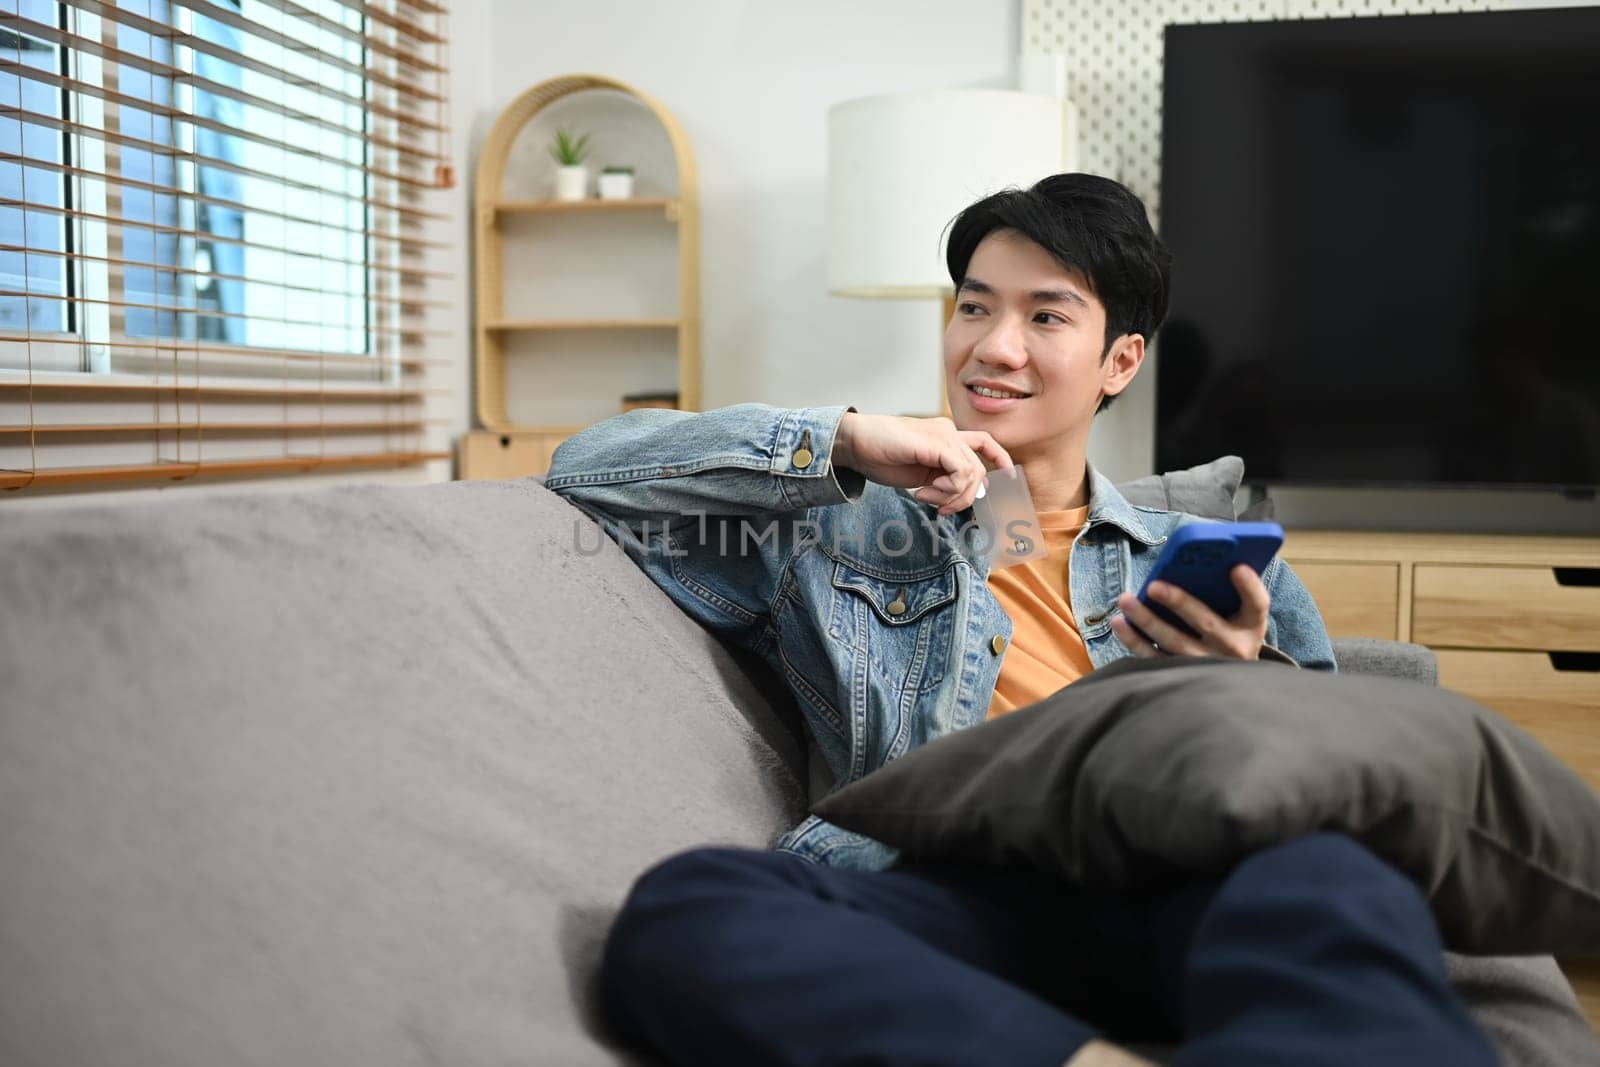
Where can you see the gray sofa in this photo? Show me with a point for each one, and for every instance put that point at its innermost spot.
(359, 776)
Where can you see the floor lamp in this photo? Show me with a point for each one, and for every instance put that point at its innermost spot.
(902, 166)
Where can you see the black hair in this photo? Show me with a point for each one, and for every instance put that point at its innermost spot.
(1091, 225)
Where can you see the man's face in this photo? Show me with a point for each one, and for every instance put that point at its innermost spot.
(1025, 324)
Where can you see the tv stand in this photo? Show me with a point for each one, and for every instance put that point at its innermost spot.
(1514, 621)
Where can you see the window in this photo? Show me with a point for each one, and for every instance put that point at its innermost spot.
(32, 239)
(217, 202)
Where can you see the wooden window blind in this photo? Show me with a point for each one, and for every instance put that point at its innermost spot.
(212, 236)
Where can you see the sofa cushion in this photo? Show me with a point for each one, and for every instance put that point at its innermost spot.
(1206, 490)
(1149, 768)
(1385, 658)
(347, 777)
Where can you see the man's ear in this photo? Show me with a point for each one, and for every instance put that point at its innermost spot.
(1122, 362)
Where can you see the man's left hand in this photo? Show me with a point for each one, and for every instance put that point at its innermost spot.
(1240, 637)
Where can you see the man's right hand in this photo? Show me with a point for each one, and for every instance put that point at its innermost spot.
(905, 452)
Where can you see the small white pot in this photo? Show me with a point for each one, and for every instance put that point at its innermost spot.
(615, 186)
(572, 183)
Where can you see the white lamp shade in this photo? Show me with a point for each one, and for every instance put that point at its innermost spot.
(901, 167)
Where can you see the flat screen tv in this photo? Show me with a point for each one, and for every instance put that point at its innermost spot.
(1386, 243)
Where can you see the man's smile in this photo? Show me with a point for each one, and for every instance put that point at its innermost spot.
(990, 398)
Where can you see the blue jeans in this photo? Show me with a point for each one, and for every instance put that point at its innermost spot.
(1311, 953)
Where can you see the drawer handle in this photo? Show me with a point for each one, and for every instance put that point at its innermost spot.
(1588, 577)
(1575, 661)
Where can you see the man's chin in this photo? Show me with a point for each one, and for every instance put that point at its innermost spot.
(1003, 428)
(1008, 428)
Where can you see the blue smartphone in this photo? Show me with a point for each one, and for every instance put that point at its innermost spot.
(1199, 557)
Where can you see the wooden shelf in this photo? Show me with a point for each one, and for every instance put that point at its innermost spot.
(668, 224)
(667, 205)
(582, 324)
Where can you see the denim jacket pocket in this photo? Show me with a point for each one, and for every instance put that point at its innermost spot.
(900, 624)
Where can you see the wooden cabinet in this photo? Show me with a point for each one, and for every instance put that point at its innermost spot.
(1585, 975)
(580, 303)
(1561, 708)
(1459, 606)
(485, 454)
(1357, 599)
(1515, 622)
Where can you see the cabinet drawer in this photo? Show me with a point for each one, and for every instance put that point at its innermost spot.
(1505, 607)
(1356, 599)
(1584, 974)
(1559, 707)
(488, 455)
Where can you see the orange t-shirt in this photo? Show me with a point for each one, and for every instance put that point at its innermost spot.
(1046, 650)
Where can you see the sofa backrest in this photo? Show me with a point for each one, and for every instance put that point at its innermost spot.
(352, 776)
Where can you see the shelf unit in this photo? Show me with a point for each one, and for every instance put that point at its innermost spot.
(668, 205)
(501, 325)
(506, 447)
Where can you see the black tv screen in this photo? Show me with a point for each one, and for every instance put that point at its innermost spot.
(1386, 250)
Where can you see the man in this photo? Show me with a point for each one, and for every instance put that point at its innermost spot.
(771, 527)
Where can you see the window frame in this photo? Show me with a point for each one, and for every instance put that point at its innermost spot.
(96, 291)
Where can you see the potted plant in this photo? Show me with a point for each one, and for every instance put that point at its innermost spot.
(572, 177)
(616, 183)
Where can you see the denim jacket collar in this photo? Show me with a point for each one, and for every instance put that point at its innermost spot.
(1107, 505)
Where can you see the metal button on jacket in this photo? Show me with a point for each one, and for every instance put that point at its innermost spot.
(802, 456)
(998, 644)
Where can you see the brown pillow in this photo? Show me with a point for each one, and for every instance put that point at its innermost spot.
(1149, 768)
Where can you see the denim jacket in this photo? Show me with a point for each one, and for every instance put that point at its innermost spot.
(874, 609)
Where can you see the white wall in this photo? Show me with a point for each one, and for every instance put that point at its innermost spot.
(751, 83)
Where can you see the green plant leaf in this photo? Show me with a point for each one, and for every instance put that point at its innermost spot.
(567, 151)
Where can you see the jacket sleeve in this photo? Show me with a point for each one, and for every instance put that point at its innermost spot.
(1295, 628)
(673, 466)
(681, 491)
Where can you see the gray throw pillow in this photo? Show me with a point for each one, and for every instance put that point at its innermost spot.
(1207, 490)
(1146, 769)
